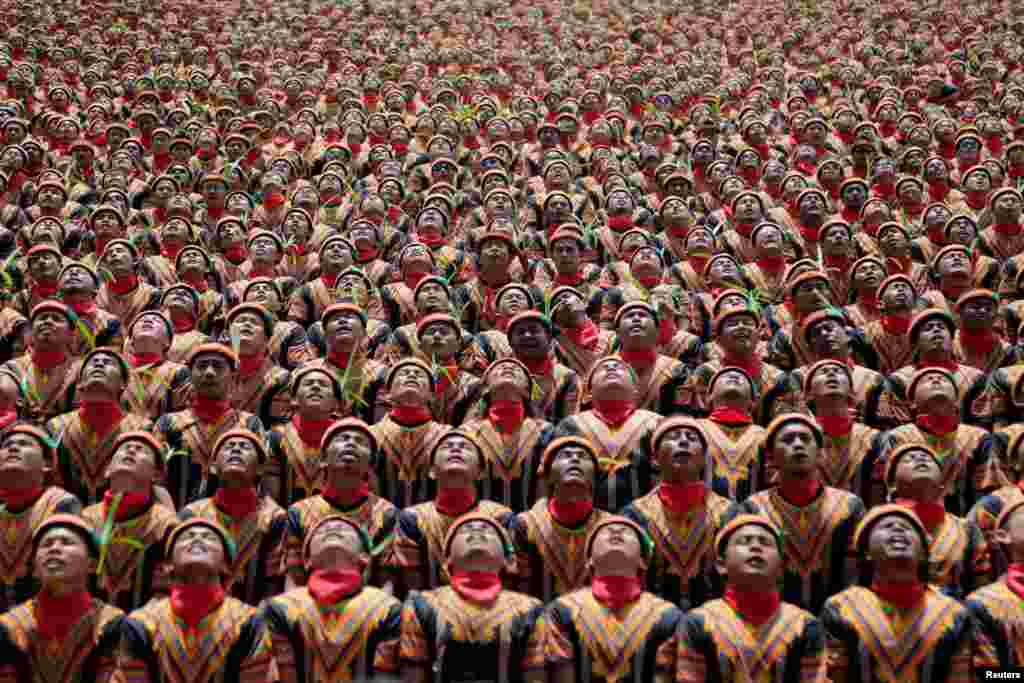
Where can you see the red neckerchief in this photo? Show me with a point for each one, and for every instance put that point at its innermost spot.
(810, 233)
(667, 329)
(57, 614)
(506, 414)
(885, 190)
(621, 222)
(47, 360)
(851, 216)
(947, 150)
(640, 360)
(752, 365)
(901, 594)
(196, 281)
(250, 364)
(543, 367)
(235, 254)
(82, 308)
(410, 415)
(311, 431)
(836, 426)
(340, 359)
(771, 264)
(1007, 229)
(937, 236)
(182, 323)
(681, 498)
(838, 261)
(731, 417)
(45, 290)
(585, 336)
(801, 491)
(995, 145)
(100, 416)
(455, 502)
(190, 602)
(1015, 579)
(132, 503)
(573, 280)
(946, 363)
(210, 410)
(931, 513)
(615, 592)
(976, 199)
(20, 498)
(476, 587)
(614, 412)
(570, 515)
(940, 425)
(698, 263)
(896, 324)
(754, 607)
(328, 587)
(412, 280)
(329, 279)
(981, 342)
(649, 281)
(433, 239)
(238, 503)
(346, 498)
(938, 190)
(273, 200)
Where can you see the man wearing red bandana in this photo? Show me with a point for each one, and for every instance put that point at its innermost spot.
(1004, 239)
(308, 303)
(660, 379)
(86, 436)
(505, 639)
(493, 345)
(191, 434)
(550, 537)
(407, 434)
(28, 502)
(496, 252)
(529, 335)
(261, 386)
(998, 607)
(935, 630)
(255, 521)
(415, 264)
(931, 336)
(63, 629)
(182, 304)
(887, 336)
(133, 570)
(970, 468)
(156, 385)
(335, 627)
(978, 342)
(77, 288)
(750, 632)
(681, 516)
(122, 294)
(579, 342)
(431, 296)
(456, 464)
(736, 330)
(362, 379)
(164, 639)
(40, 385)
(817, 521)
(441, 338)
(809, 292)
(350, 454)
(510, 438)
(44, 262)
(613, 629)
(736, 469)
(958, 553)
(617, 430)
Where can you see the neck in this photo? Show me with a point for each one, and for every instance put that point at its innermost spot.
(755, 605)
(570, 513)
(616, 590)
(346, 493)
(455, 498)
(800, 490)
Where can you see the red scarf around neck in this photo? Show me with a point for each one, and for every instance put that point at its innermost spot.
(615, 592)
(944, 361)
(455, 501)
(328, 587)
(931, 513)
(191, 602)
(754, 607)
(900, 594)
(250, 364)
(340, 359)
(140, 359)
(239, 502)
(45, 290)
(100, 416)
(47, 360)
(940, 425)
(641, 359)
(123, 285)
(57, 614)
(836, 426)
(573, 280)
(896, 325)
(614, 412)
(15, 499)
(800, 491)
(543, 367)
(476, 587)
(183, 323)
(210, 410)
(731, 417)
(346, 498)
(132, 504)
(979, 342)
(585, 336)
(506, 414)
(682, 498)
(311, 431)
(570, 514)
(772, 264)
(410, 415)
